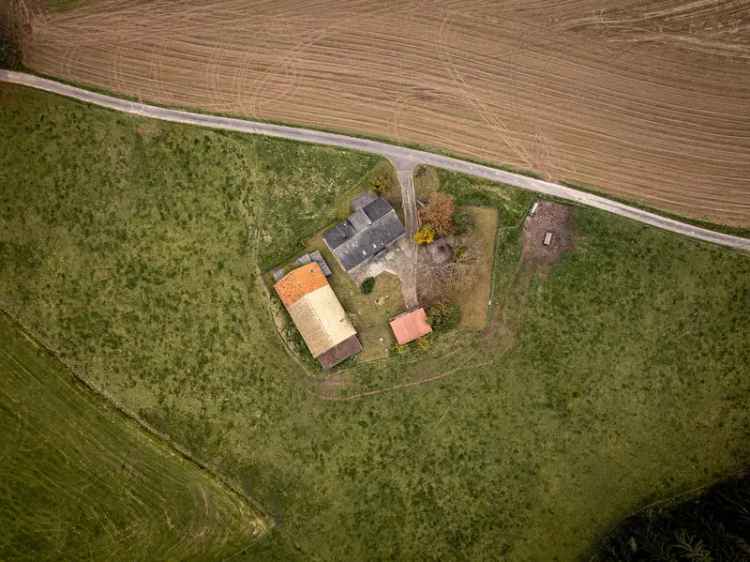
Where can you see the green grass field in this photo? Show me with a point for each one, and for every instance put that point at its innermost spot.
(81, 481)
(131, 249)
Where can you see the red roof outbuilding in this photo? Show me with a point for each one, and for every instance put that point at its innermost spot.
(410, 326)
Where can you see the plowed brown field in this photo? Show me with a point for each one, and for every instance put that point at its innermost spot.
(647, 100)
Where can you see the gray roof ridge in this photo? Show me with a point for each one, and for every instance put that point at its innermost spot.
(360, 233)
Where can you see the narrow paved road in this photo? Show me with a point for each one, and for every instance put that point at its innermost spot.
(405, 172)
(392, 152)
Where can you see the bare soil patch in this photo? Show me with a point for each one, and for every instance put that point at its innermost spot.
(646, 100)
(549, 218)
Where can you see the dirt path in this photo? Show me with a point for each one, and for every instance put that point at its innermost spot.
(392, 152)
(333, 397)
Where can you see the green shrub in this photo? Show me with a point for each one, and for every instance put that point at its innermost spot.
(399, 349)
(424, 343)
(444, 316)
(367, 285)
(381, 185)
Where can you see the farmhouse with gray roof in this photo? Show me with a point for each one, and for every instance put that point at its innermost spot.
(369, 231)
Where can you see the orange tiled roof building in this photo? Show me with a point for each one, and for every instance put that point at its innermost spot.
(318, 315)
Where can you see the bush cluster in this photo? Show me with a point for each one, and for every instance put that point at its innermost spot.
(367, 286)
(381, 185)
(444, 316)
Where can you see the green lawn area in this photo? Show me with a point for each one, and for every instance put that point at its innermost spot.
(131, 248)
(81, 481)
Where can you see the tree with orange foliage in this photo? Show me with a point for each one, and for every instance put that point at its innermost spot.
(438, 213)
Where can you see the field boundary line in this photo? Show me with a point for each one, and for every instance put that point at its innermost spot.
(266, 522)
(389, 151)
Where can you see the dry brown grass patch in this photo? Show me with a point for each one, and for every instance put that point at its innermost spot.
(474, 302)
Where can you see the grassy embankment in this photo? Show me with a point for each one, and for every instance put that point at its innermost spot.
(616, 378)
(81, 481)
